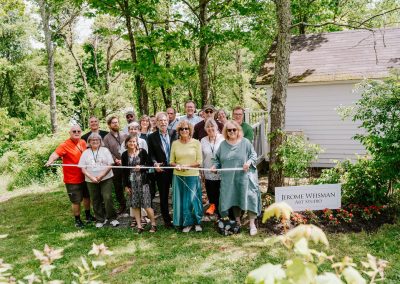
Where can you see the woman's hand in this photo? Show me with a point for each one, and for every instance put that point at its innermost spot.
(128, 190)
(213, 169)
(93, 179)
(246, 167)
(178, 167)
(136, 168)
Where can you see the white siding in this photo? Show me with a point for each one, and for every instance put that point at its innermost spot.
(312, 110)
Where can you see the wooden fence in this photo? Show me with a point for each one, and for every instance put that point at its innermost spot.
(258, 121)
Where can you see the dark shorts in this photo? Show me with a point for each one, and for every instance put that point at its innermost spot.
(76, 192)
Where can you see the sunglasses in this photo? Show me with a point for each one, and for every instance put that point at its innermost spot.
(76, 131)
(184, 128)
(129, 116)
(231, 130)
(208, 111)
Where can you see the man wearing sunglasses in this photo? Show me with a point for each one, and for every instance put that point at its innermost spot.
(70, 152)
(130, 117)
(238, 116)
(199, 131)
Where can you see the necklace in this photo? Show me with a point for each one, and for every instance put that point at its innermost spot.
(97, 154)
(212, 146)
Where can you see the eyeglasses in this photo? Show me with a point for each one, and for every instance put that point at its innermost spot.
(238, 114)
(76, 131)
(209, 111)
(231, 130)
(184, 129)
(129, 116)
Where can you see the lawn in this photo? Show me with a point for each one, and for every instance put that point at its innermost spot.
(42, 217)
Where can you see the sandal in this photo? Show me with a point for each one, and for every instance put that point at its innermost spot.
(153, 229)
(133, 224)
(140, 230)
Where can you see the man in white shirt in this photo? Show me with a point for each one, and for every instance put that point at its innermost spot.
(172, 120)
(191, 117)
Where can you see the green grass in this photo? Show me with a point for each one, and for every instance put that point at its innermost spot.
(36, 219)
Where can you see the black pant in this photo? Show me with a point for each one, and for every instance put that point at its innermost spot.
(164, 180)
(212, 188)
(118, 187)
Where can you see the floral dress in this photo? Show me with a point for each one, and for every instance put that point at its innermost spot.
(138, 181)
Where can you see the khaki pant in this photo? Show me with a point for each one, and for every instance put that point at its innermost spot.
(101, 196)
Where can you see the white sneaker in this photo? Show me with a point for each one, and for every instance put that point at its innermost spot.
(187, 229)
(253, 231)
(99, 225)
(114, 223)
(198, 228)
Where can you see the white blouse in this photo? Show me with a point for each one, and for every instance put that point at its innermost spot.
(209, 148)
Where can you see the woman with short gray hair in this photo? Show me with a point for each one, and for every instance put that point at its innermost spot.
(95, 163)
(209, 146)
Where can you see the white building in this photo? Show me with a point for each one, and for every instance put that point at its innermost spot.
(324, 69)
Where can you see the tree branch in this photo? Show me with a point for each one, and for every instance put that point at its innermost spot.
(192, 9)
(360, 25)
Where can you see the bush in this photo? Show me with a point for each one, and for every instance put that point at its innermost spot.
(362, 182)
(378, 110)
(297, 155)
(26, 164)
(307, 265)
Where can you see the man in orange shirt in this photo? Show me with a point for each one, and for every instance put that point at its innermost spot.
(70, 152)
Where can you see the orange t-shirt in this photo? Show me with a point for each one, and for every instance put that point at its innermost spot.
(70, 153)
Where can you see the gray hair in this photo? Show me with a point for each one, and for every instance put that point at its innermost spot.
(210, 122)
(134, 124)
(95, 136)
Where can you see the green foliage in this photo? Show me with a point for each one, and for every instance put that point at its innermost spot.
(362, 182)
(307, 265)
(297, 154)
(378, 110)
(26, 162)
(370, 180)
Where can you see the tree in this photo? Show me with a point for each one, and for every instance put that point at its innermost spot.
(50, 49)
(279, 92)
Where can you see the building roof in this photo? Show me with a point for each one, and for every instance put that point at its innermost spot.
(338, 56)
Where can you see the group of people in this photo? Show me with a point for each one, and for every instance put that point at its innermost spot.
(163, 153)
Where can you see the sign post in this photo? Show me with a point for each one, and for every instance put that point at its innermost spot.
(310, 197)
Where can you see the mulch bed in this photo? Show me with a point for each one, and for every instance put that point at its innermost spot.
(273, 226)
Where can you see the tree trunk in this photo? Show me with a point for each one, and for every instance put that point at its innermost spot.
(239, 70)
(279, 88)
(203, 55)
(50, 62)
(168, 91)
(141, 91)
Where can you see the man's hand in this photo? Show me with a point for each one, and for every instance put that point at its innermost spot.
(117, 162)
(157, 165)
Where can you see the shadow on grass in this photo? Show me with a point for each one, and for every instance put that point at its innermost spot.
(165, 257)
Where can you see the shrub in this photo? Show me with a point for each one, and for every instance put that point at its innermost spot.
(297, 155)
(308, 265)
(362, 182)
(378, 110)
(27, 165)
